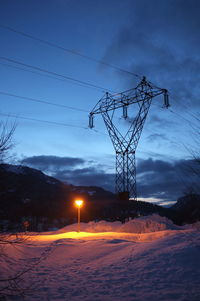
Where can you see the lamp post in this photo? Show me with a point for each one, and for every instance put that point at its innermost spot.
(79, 204)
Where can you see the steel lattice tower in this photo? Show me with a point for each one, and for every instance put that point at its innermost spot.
(125, 145)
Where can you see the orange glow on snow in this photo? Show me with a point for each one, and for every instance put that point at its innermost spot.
(136, 237)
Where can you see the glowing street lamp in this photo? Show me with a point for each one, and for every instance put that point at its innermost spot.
(79, 204)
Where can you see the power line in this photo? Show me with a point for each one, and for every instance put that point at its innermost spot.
(51, 122)
(187, 107)
(41, 74)
(44, 121)
(42, 101)
(192, 124)
(69, 50)
(55, 74)
(97, 131)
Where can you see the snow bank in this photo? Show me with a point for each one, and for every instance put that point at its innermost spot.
(111, 266)
(108, 266)
(143, 224)
(148, 224)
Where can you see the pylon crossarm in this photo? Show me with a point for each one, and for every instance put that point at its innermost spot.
(141, 93)
(97, 106)
(116, 104)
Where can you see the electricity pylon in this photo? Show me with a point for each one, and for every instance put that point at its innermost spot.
(125, 145)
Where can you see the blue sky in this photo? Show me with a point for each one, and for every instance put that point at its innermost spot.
(158, 39)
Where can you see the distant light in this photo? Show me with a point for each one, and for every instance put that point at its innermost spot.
(79, 203)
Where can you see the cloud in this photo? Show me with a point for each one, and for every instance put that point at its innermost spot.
(157, 201)
(156, 179)
(161, 40)
(157, 121)
(89, 176)
(52, 163)
(166, 180)
(151, 165)
(72, 170)
(155, 137)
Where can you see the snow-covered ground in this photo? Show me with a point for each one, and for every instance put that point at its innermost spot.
(145, 259)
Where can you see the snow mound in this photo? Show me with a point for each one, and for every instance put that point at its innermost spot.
(145, 224)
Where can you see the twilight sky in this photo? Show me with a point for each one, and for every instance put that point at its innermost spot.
(158, 39)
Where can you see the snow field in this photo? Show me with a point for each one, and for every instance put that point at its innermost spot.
(113, 265)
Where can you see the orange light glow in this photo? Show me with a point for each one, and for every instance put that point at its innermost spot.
(79, 203)
(135, 237)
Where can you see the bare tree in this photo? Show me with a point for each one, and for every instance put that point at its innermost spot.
(9, 284)
(195, 153)
(6, 138)
(11, 280)
(193, 166)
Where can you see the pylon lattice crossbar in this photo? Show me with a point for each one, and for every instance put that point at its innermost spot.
(125, 145)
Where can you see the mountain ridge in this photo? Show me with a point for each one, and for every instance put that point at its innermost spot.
(28, 193)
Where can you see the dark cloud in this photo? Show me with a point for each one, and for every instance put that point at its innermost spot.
(162, 42)
(52, 163)
(167, 180)
(71, 170)
(157, 121)
(155, 178)
(90, 176)
(150, 165)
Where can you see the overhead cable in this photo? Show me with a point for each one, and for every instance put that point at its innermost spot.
(44, 121)
(69, 50)
(55, 74)
(41, 101)
(41, 74)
